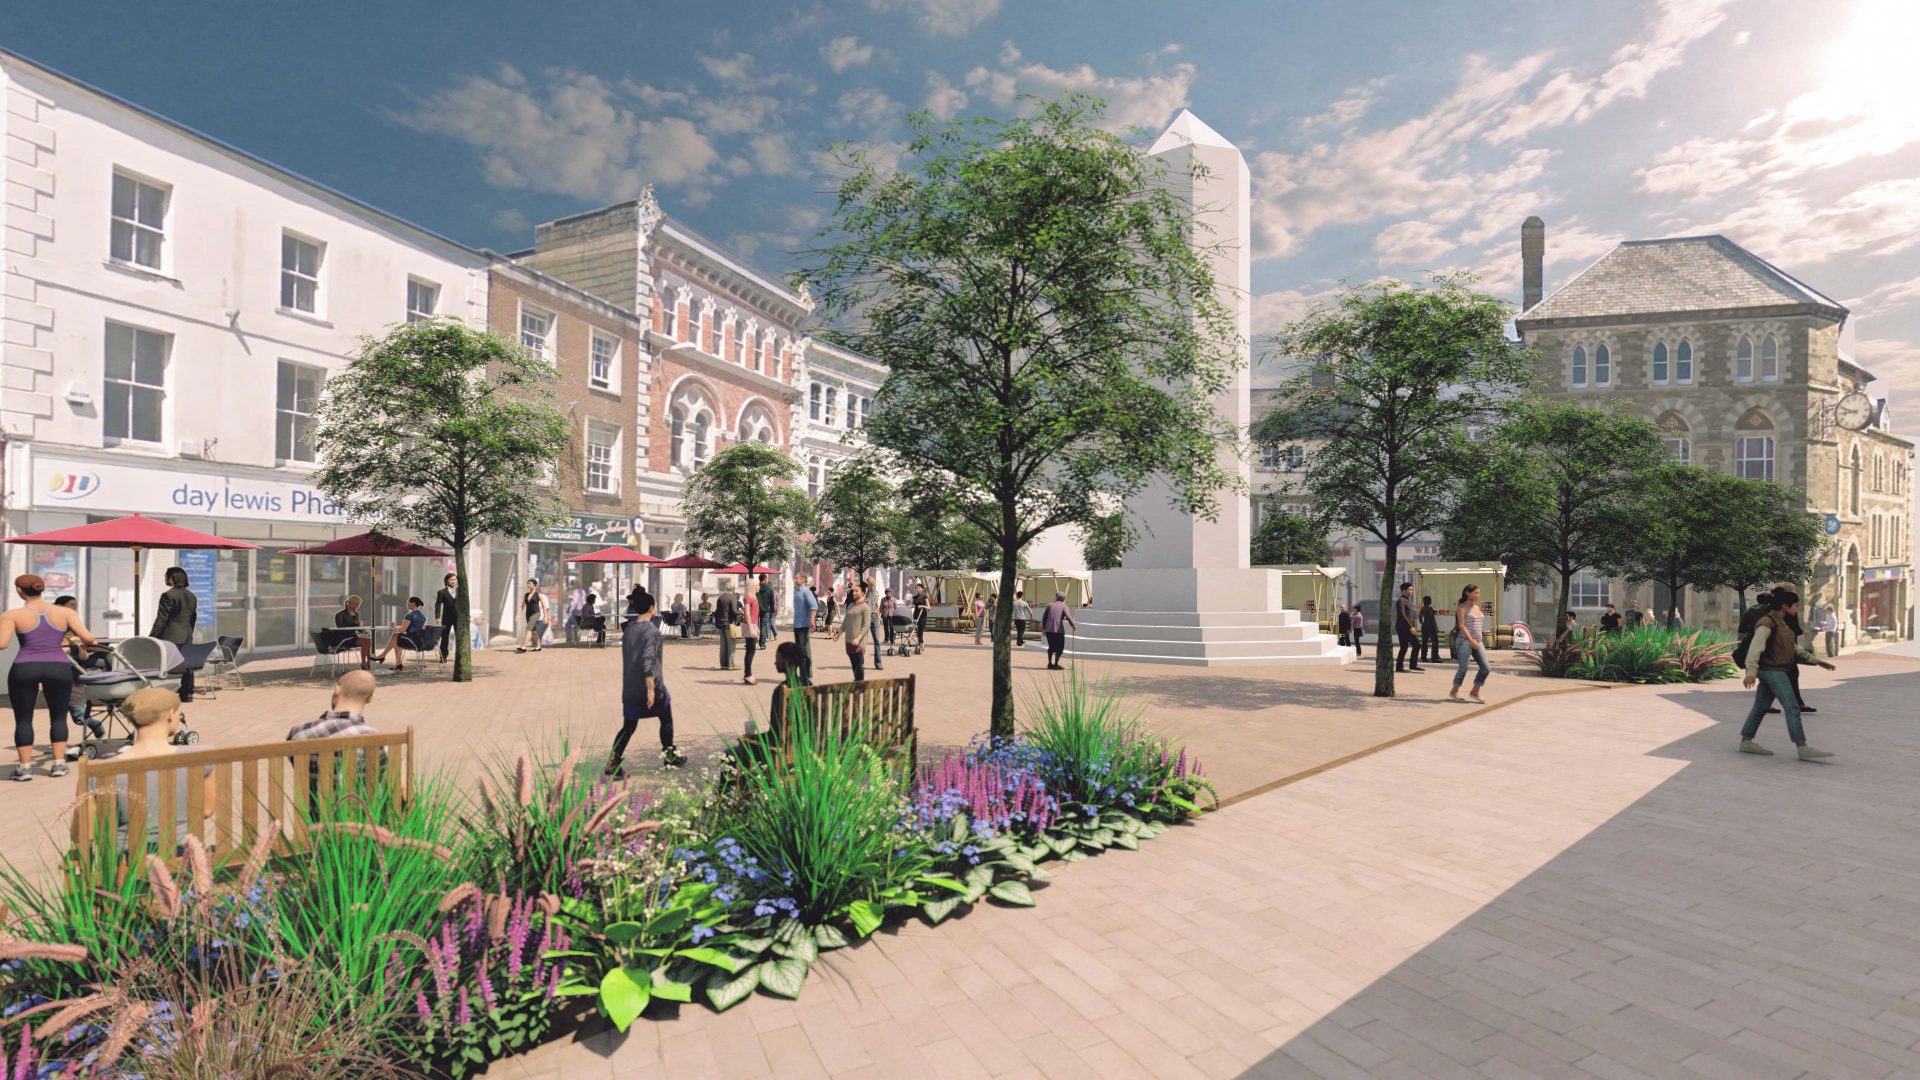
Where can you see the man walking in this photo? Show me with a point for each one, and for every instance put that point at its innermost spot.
(643, 690)
(1403, 629)
(1772, 653)
(1359, 630)
(1345, 625)
(1022, 615)
(805, 603)
(727, 616)
(765, 597)
(873, 622)
(1429, 631)
(446, 612)
(1053, 624)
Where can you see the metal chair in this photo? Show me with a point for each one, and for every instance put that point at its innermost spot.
(421, 642)
(194, 656)
(330, 645)
(224, 664)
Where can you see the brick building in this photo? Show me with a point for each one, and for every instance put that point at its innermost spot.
(1741, 363)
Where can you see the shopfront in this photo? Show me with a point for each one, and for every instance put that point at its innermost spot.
(270, 598)
(544, 559)
(1883, 604)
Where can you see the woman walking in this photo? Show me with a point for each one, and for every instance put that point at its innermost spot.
(533, 605)
(979, 618)
(41, 667)
(1470, 642)
(750, 634)
(858, 625)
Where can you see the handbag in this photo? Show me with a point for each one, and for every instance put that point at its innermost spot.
(734, 631)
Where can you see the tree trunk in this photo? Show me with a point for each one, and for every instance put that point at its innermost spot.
(462, 608)
(1382, 637)
(1003, 726)
(1562, 595)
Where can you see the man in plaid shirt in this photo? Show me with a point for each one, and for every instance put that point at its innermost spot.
(350, 696)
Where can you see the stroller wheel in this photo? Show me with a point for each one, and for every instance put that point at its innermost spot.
(90, 751)
(186, 738)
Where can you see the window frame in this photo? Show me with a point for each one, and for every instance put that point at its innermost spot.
(135, 387)
(1769, 355)
(813, 402)
(280, 413)
(1661, 373)
(1588, 591)
(829, 413)
(1741, 457)
(548, 347)
(432, 289)
(1577, 371)
(316, 281)
(1683, 363)
(610, 467)
(1743, 356)
(1602, 366)
(610, 383)
(136, 227)
(1683, 451)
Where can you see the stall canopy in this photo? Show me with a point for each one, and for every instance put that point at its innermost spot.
(1309, 589)
(1444, 582)
(137, 534)
(1040, 585)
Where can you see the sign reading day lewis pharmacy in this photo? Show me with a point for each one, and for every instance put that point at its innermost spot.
(96, 487)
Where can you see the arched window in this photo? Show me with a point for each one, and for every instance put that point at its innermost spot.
(756, 426)
(691, 417)
(1679, 437)
(1743, 360)
(1579, 365)
(1602, 367)
(1662, 369)
(702, 439)
(1856, 479)
(1683, 363)
(1753, 446)
(1769, 359)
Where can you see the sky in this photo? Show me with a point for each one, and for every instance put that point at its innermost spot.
(1385, 137)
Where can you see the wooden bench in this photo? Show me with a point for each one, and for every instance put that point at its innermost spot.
(883, 708)
(252, 785)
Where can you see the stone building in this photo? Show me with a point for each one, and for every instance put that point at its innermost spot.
(1741, 363)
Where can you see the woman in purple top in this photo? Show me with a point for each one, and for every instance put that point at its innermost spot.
(40, 668)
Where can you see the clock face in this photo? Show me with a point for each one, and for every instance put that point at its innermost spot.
(1854, 412)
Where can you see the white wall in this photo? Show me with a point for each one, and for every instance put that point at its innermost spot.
(225, 216)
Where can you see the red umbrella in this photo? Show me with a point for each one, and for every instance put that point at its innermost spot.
(741, 568)
(616, 554)
(138, 534)
(689, 562)
(373, 545)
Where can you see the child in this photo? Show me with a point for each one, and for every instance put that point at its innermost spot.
(86, 658)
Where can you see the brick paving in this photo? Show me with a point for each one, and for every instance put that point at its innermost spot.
(1586, 885)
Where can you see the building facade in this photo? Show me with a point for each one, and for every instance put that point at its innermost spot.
(839, 387)
(1740, 363)
(170, 307)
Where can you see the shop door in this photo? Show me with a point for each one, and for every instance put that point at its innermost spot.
(231, 570)
(326, 590)
(276, 599)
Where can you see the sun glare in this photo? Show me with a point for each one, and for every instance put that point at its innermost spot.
(1870, 74)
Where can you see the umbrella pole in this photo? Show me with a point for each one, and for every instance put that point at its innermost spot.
(136, 591)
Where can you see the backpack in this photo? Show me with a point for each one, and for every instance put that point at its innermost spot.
(1749, 622)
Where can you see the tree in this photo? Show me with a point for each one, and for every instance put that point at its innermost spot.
(1569, 480)
(1398, 376)
(742, 505)
(1284, 539)
(448, 432)
(1704, 529)
(860, 519)
(936, 537)
(1103, 541)
(1053, 335)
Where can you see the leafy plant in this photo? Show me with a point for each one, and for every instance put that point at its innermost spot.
(1090, 747)
(492, 979)
(1702, 660)
(531, 826)
(1646, 654)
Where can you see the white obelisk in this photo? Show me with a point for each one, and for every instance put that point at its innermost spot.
(1184, 593)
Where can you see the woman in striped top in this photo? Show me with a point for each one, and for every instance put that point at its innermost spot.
(1470, 623)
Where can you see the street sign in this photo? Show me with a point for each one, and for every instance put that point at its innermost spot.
(1833, 524)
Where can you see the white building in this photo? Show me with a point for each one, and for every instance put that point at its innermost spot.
(837, 390)
(170, 307)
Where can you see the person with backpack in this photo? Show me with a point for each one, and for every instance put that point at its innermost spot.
(1770, 654)
(1762, 604)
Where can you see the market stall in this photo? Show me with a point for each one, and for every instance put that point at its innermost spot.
(1444, 581)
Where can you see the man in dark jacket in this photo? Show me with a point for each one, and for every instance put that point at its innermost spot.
(446, 612)
(1345, 625)
(1429, 631)
(173, 620)
(1404, 630)
(643, 689)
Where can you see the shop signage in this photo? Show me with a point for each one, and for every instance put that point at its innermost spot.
(587, 529)
(198, 563)
(1832, 524)
(101, 487)
(1883, 573)
(1421, 551)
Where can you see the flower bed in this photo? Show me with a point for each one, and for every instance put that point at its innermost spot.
(1647, 654)
(457, 930)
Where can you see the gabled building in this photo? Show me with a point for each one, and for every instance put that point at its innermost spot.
(1741, 363)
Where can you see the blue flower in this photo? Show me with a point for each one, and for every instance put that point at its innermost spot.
(701, 933)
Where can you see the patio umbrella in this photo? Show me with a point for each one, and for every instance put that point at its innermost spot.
(741, 568)
(137, 534)
(618, 553)
(373, 545)
(689, 562)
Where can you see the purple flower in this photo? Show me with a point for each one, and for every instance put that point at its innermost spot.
(701, 933)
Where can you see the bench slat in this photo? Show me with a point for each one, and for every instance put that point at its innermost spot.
(223, 824)
(168, 809)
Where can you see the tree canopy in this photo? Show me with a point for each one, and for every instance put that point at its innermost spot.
(860, 518)
(742, 505)
(1283, 539)
(447, 432)
(1395, 377)
(1052, 332)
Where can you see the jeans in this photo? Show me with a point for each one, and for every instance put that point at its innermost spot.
(766, 626)
(857, 656)
(1774, 685)
(873, 638)
(979, 627)
(802, 636)
(1479, 656)
(632, 711)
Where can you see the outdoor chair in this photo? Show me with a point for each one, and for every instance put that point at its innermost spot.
(194, 656)
(421, 642)
(330, 645)
(224, 665)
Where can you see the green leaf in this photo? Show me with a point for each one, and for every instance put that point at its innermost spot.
(944, 882)
(669, 990)
(622, 932)
(1038, 851)
(1062, 845)
(958, 827)
(667, 922)
(1037, 874)
(1074, 856)
(980, 877)
(784, 976)
(866, 918)
(1020, 863)
(725, 992)
(1183, 804)
(828, 936)
(624, 993)
(753, 945)
(1104, 837)
(1126, 840)
(937, 910)
(802, 947)
(1012, 892)
(715, 957)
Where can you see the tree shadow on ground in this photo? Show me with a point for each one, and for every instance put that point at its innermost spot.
(1244, 694)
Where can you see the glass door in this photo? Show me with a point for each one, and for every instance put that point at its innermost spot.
(326, 589)
(230, 612)
(276, 599)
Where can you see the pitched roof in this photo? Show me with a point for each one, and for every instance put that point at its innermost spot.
(1681, 274)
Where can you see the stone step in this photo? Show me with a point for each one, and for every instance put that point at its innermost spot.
(1268, 648)
(1335, 659)
(1209, 632)
(1113, 617)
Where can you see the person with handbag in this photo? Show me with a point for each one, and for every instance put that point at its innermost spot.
(726, 623)
(857, 624)
(533, 606)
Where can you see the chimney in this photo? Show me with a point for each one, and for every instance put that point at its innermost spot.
(1533, 252)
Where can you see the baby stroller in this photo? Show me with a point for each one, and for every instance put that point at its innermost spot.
(906, 636)
(138, 663)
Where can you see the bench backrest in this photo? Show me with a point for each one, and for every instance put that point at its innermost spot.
(882, 708)
(252, 785)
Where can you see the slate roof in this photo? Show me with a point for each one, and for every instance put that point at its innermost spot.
(1681, 274)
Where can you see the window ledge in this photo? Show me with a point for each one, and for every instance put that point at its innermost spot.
(136, 446)
(303, 316)
(139, 271)
(610, 391)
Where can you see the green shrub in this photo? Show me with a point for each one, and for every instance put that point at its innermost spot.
(1646, 654)
(1095, 754)
(529, 825)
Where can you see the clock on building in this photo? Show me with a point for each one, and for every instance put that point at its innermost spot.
(1854, 412)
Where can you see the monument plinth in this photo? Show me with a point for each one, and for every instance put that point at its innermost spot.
(1185, 593)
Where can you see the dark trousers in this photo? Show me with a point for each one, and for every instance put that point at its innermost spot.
(726, 646)
(1409, 644)
(1357, 643)
(1430, 644)
(1020, 632)
(857, 656)
(25, 683)
(630, 714)
(1056, 645)
(803, 637)
(186, 685)
(1793, 676)
(446, 639)
(753, 645)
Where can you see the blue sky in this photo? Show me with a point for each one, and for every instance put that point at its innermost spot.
(1385, 137)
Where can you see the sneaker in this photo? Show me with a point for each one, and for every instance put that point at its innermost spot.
(1805, 709)
(22, 773)
(1773, 709)
(1808, 753)
(671, 758)
(58, 768)
(1748, 746)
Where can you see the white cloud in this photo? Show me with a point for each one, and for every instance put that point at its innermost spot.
(773, 154)
(1146, 101)
(735, 114)
(944, 100)
(1347, 109)
(868, 108)
(1889, 295)
(1740, 39)
(574, 135)
(847, 52)
(1273, 310)
(944, 17)
(1410, 242)
(1880, 218)
(512, 220)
